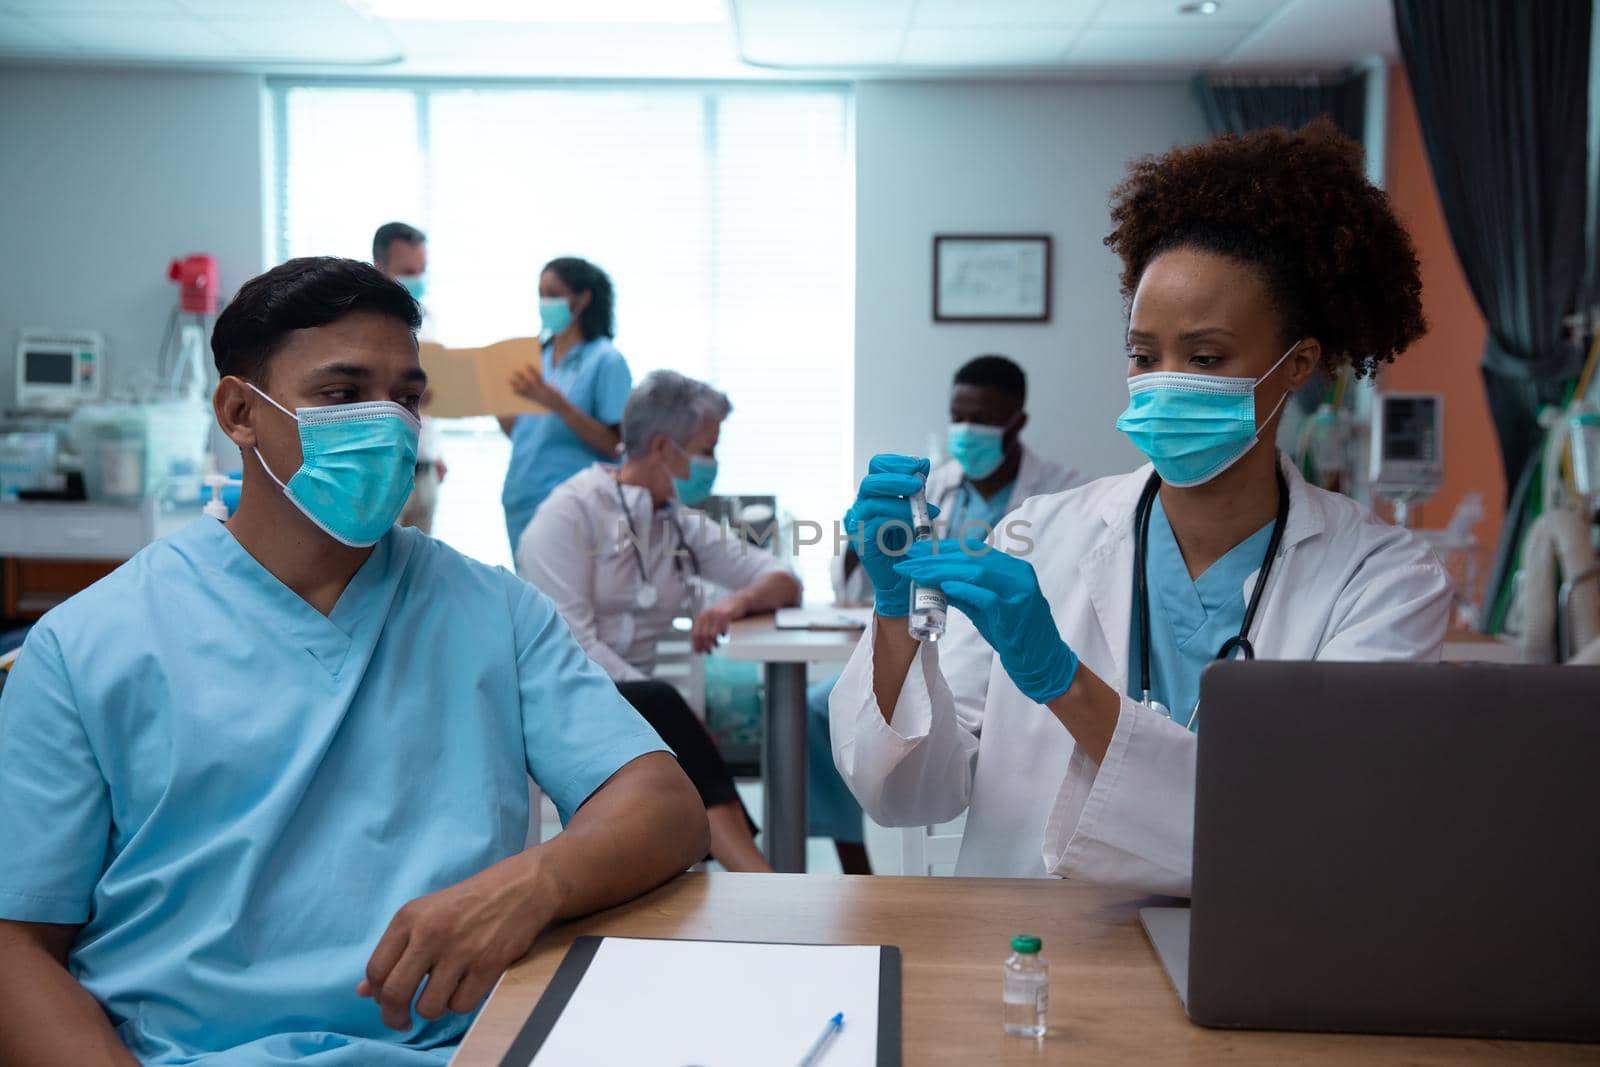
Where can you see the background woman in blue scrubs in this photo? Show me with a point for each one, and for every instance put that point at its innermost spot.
(582, 380)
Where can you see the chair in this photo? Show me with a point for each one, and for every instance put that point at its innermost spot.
(678, 664)
(929, 850)
(1578, 633)
(1560, 599)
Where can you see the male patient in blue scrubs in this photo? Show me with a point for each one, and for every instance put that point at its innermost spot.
(268, 780)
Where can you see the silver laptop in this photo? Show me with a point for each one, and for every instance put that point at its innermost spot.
(1394, 848)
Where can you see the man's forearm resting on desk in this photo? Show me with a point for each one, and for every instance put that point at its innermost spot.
(645, 825)
(768, 593)
(773, 591)
(46, 1017)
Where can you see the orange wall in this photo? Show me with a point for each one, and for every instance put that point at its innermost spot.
(1446, 360)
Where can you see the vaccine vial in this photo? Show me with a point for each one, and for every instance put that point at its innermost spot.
(928, 608)
(1027, 988)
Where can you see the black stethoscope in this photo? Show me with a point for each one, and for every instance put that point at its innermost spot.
(1238, 643)
(648, 596)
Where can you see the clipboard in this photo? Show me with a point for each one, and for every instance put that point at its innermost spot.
(537, 1031)
(477, 381)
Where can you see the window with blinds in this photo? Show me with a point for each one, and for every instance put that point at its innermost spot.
(724, 215)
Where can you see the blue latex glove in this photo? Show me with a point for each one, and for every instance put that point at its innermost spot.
(1001, 595)
(883, 500)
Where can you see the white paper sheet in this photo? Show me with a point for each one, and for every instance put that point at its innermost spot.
(823, 618)
(717, 1004)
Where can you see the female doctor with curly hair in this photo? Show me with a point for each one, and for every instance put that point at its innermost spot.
(1060, 711)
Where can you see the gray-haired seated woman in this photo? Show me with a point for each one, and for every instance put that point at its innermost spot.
(622, 553)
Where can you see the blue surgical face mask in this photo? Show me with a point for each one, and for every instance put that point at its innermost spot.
(1194, 426)
(357, 464)
(697, 486)
(978, 448)
(415, 284)
(555, 315)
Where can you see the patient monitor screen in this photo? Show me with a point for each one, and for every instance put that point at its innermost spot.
(1408, 428)
(49, 368)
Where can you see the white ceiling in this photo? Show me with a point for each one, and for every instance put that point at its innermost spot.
(1142, 37)
(699, 38)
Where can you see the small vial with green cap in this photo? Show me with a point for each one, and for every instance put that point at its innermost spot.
(1027, 988)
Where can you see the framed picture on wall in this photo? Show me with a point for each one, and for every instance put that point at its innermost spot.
(991, 278)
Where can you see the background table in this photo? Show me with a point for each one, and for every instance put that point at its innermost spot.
(784, 655)
(1110, 1001)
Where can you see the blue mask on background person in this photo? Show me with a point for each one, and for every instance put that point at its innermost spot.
(415, 284)
(977, 447)
(357, 465)
(555, 315)
(697, 486)
(1194, 426)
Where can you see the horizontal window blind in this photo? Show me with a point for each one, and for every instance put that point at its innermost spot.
(724, 215)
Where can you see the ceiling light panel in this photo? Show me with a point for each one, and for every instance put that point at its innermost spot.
(670, 12)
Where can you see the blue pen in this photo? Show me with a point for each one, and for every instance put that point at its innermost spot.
(814, 1053)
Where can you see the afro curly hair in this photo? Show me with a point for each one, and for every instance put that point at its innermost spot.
(1296, 207)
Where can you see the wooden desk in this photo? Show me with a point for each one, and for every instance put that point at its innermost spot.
(784, 655)
(1110, 1001)
(1469, 646)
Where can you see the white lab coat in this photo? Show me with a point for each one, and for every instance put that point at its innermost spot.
(578, 551)
(963, 738)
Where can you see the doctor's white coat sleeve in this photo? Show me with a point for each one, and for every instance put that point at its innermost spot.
(916, 769)
(1130, 821)
(556, 555)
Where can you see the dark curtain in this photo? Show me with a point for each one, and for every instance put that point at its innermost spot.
(1237, 105)
(1502, 90)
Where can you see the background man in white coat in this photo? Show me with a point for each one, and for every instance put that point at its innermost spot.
(990, 471)
(1250, 262)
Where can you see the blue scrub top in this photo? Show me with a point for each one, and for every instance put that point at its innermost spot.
(970, 508)
(544, 451)
(236, 793)
(1190, 619)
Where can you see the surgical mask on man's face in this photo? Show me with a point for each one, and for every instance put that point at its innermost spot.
(1195, 426)
(977, 447)
(415, 284)
(357, 465)
(555, 314)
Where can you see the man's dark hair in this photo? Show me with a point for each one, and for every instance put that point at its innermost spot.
(388, 234)
(581, 276)
(997, 372)
(299, 295)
